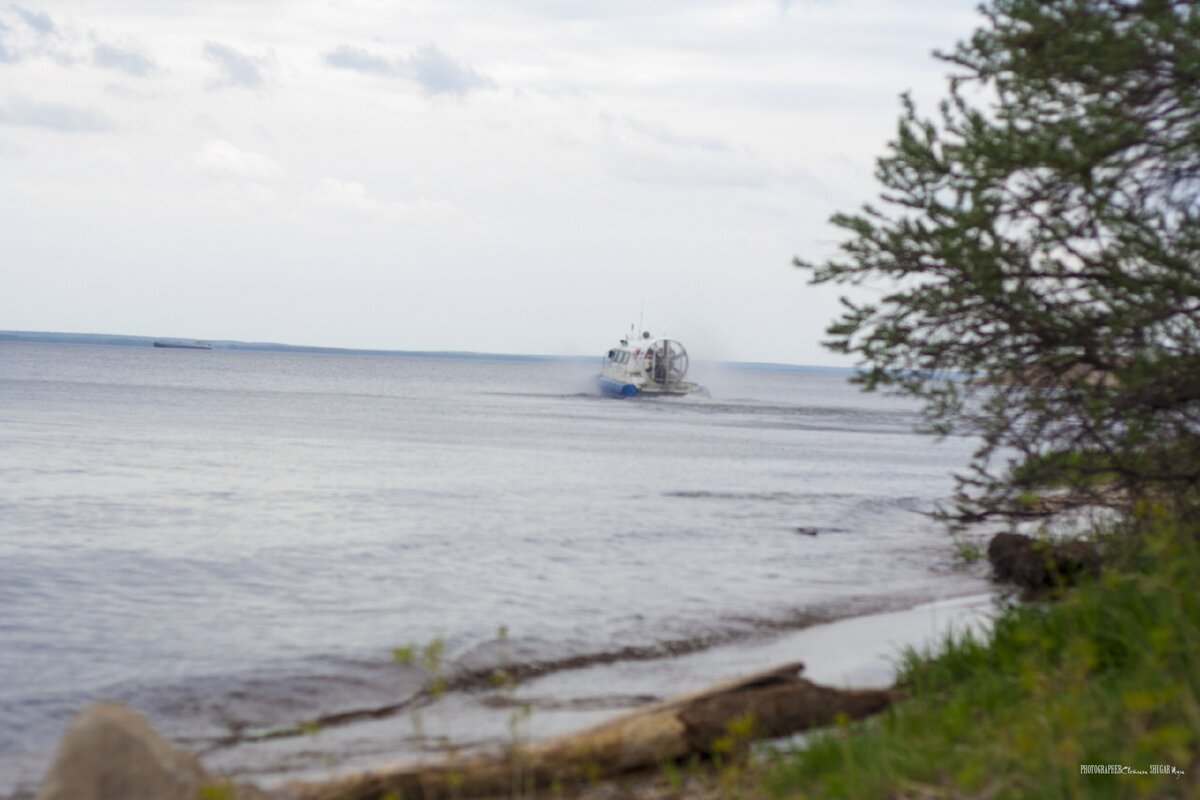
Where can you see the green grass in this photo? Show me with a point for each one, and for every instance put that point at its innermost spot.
(1109, 675)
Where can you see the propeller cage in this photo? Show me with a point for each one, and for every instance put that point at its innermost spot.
(667, 362)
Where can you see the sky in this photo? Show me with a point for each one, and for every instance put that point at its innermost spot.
(500, 176)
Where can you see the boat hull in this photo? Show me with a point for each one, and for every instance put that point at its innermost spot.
(613, 388)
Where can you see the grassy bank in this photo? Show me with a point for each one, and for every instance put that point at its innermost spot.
(1107, 675)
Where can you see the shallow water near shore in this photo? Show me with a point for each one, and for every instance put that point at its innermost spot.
(234, 542)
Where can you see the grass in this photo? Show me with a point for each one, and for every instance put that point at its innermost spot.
(1108, 675)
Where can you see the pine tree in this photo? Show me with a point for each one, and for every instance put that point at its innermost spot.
(1040, 241)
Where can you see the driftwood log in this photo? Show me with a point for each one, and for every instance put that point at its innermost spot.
(770, 704)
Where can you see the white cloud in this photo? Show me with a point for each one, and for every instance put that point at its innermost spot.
(123, 59)
(27, 35)
(648, 152)
(352, 197)
(60, 117)
(662, 135)
(438, 73)
(256, 179)
(358, 60)
(222, 159)
(434, 71)
(40, 22)
(235, 67)
(7, 54)
(24, 34)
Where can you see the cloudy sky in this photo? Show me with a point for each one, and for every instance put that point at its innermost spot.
(520, 176)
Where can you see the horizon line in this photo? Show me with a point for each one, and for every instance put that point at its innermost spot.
(137, 340)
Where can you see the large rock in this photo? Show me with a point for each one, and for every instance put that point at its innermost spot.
(111, 753)
(1035, 565)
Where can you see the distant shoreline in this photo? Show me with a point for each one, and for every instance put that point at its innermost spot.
(122, 340)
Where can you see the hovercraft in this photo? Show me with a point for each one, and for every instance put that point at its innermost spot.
(646, 365)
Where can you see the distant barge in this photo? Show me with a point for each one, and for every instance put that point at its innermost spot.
(184, 345)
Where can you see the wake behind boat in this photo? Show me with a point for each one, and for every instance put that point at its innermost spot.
(646, 365)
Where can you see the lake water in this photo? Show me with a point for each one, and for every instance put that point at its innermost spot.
(233, 542)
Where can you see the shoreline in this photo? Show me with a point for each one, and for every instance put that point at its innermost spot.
(857, 652)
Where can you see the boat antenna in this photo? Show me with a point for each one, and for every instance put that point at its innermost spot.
(641, 315)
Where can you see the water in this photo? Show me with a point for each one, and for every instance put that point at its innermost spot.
(232, 541)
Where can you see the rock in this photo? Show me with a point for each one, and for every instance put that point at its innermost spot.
(1035, 564)
(1010, 553)
(111, 753)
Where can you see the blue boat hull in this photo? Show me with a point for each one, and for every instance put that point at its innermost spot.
(608, 386)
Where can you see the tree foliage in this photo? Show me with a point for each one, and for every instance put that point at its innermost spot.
(1040, 238)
